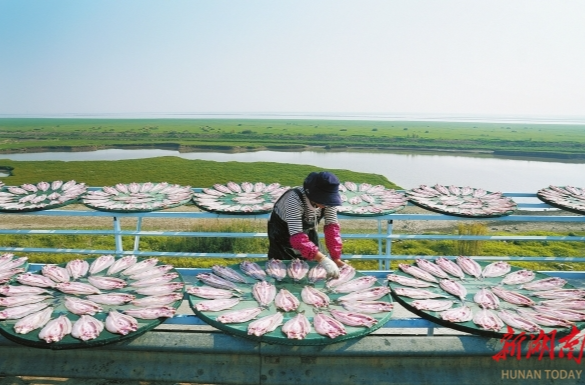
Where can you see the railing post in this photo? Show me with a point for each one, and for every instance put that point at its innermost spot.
(388, 244)
(137, 237)
(118, 236)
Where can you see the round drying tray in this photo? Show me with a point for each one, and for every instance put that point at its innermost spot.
(364, 200)
(461, 201)
(138, 197)
(277, 336)
(40, 196)
(472, 286)
(162, 284)
(236, 198)
(568, 198)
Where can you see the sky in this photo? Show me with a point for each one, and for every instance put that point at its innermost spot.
(480, 57)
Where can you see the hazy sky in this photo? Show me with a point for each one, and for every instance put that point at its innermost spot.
(436, 56)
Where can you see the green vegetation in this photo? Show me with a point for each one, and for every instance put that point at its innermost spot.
(522, 139)
(195, 173)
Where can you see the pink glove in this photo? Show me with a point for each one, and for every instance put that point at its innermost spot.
(333, 240)
(302, 243)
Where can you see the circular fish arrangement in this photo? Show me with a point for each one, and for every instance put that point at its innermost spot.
(568, 198)
(235, 198)
(485, 298)
(461, 201)
(90, 302)
(138, 197)
(367, 200)
(40, 196)
(291, 302)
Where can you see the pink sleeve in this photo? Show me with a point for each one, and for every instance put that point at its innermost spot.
(302, 243)
(333, 240)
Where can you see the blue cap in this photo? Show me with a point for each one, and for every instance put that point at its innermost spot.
(323, 188)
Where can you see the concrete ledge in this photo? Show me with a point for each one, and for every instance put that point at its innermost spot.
(212, 357)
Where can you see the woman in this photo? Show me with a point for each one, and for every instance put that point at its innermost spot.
(292, 228)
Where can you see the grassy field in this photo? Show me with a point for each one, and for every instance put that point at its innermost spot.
(244, 134)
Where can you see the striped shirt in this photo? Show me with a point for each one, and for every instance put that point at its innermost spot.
(292, 210)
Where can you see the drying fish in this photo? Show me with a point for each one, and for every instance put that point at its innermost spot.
(216, 281)
(417, 272)
(297, 269)
(372, 294)
(346, 272)
(56, 329)
(560, 293)
(152, 312)
(14, 263)
(239, 316)
(21, 311)
(156, 271)
(141, 266)
(516, 321)
(432, 304)
(450, 267)
(314, 297)
(87, 328)
(10, 290)
(297, 327)
(111, 298)
(417, 293)
(77, 268)
(328, 326)
(210, 292)
(77, 288)
(217, 304)
(357, 284)
(276, 269)
(7, 275)
(469, 266)
(459, 314)
(35, 280)
(487, 320)
(157, 300)
(486, 299)
(453, 287)
(22, 300)
(518, 277)
(407, 281)
(566, 303)
(121, 264)
(33, 321)
(119, 323)
(353, 319)
(550, 283)
(101, 263)
(228, 273)
(165, 278)
(253, 270)
(264, 292)
(317, 273)
(286, 301)
(265, 325)
(496, 269)
(369, 307)
(106, 283)
(566, 314)
(431, 268)
(512, 297)
(542, 319)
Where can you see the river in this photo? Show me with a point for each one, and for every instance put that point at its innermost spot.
(405, 169)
